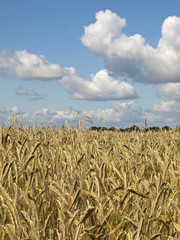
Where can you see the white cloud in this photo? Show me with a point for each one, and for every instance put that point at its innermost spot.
(131, 56)
(6, 115)
(26, 92)
(107, 28)
(51, 115)
(15, 109)
(27, 66)
(169, 91)
(121, 113)
(167, 106)
(103, 86)
(165, 113)
(36, 117)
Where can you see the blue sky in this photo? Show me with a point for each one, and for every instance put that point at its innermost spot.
(115, 61)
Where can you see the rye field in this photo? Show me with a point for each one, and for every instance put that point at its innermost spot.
(70, 184)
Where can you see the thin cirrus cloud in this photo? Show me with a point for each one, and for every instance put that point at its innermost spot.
(131, 56)
(103, 86)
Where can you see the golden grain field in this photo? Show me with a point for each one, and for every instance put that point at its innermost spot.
(81, 184)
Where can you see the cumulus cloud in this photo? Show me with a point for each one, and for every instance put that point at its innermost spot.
(51, 115)
(15, 109)
(131, 56)
(27, 66)
(7, 114)
(26, 92)
(167, 112)
(169, 91)
(36, 117)
(103, 86)
(121, 113)
(4, 111)
(169, 106)
(100, 34)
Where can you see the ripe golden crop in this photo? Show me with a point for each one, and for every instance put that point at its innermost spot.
(82, 184)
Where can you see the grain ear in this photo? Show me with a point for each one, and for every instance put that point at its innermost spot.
(84, 184)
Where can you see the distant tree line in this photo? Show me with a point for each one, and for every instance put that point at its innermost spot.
(134, 128)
